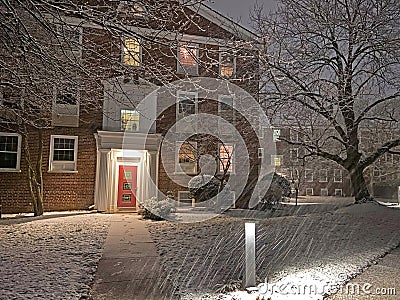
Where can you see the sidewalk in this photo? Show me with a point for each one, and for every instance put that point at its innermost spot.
(130, 267)
(380, 280)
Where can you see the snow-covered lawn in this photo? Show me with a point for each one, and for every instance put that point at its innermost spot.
(50, 257)
(317, 251)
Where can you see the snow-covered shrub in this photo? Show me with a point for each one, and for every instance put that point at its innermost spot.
(156, 209)
(204, 187)
(279, 189)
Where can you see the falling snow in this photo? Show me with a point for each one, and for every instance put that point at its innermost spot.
(317, 249)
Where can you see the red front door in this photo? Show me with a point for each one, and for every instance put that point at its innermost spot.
(127, 184)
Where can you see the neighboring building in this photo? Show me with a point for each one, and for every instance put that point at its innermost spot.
(322, 177)
(105, 151)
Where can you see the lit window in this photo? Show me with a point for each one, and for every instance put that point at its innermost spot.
(131, 52)
(10, 152)
(187, 59)
(63, 153)
(186, 158)
(337, 175)
(276, 160)
(226, 158)
(227, 63)
(130, 120)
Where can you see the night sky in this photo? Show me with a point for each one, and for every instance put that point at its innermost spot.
(239, 10)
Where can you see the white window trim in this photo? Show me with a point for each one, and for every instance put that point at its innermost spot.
(341, 192)
(196, 102)
(325, 189)
(260, 152)
(18, 166)
(140, 50)
(232, 158)
(58, 109)
(334, 175)
(75, 162)
(326, 177)
(180, 69)
(296, 159)
(223, 50)
(187, 202)
(312, 191)
(129, 110)
(274, 139)
(306, 172)
(178, 169)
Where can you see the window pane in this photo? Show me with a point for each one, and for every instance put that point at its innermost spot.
(8, 160)
(132, 52)
(130, 120)
(9, 143)
(227, 65)
(64, 149)
(69, 98)
(187, 56)
(226, 161)
(187, 158)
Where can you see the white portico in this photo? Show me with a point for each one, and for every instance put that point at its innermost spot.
(116, 150)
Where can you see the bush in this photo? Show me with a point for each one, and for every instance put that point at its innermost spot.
(278, 190)
(203, 187)
(155, 209)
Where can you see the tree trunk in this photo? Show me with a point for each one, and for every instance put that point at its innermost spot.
(359, 186)
(35, 174)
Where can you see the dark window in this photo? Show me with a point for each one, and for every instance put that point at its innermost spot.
(64, 149)
(8, 152)
(68, 98)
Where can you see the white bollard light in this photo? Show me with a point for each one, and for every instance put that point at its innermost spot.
(250, 254)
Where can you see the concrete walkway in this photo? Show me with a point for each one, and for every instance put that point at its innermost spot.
(380, 281)
(130, 267)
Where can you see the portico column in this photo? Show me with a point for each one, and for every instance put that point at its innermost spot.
(153, 163)
(102, 180)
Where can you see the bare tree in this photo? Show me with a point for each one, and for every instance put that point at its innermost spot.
(332, 68)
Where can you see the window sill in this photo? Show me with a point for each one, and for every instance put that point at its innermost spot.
(184, 173)
(10, 171)
(62, 171)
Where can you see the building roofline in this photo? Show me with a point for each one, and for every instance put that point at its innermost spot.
(223, 21)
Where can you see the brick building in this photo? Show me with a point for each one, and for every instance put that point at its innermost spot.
(87, 100)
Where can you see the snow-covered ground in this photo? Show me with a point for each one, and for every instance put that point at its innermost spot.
(50, 257)
(301, 257)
